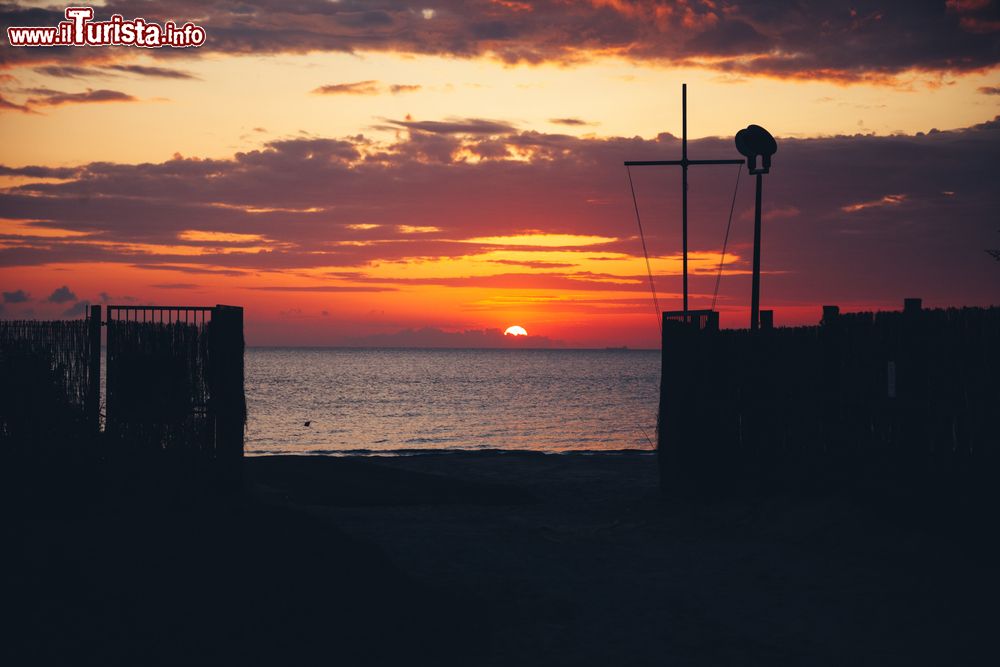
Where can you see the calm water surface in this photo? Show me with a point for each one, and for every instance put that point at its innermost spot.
(385, 401)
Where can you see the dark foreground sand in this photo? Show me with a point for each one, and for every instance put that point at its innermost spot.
(501, 559)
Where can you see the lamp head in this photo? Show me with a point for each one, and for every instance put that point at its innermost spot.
(754, 141)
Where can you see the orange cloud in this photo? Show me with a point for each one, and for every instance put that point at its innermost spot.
(887, 200)
(352, 226)
(356, 88)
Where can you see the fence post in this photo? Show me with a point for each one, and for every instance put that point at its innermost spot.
(678, 403)
(831, 391)
(913, 384)
(713, 321)
(228, 402)
(93, 402)
(830, 315)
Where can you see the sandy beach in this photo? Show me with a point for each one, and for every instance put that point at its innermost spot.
(498, 559)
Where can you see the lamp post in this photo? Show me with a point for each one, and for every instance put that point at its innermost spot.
(753, 142)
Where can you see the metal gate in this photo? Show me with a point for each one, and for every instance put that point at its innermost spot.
(175, 381)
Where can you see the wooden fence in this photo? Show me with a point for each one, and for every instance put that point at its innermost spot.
(913, 388)
(174, 395)
(49, 385)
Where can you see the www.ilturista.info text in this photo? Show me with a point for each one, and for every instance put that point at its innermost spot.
(80, 30)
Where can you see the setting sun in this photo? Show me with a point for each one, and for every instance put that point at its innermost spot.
(515, 331)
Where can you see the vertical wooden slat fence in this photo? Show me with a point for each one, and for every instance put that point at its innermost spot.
(49, 386)
(93, 402)
(912, 389)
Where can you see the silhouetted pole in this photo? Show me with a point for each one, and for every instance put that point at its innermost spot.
(684, 162)
(756, 142)
(755, 297)
(684, 190)
(226, 390)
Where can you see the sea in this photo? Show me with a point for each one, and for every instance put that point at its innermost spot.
(390, 402)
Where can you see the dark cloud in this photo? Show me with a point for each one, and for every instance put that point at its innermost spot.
(572, 122)
(456, 126)
(155, 72)
(75, 72)
(61, 295)
(796, 38)
(69, 71)
(49, 97)
(729, 37)
(7, 105)
(36, 171)
(17, 296)
(370, 87)
(175, 286)
(202, 270)
(847, 218)
(990, 90)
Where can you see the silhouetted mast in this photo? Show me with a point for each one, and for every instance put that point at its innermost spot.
(753, 142)
(684, 163)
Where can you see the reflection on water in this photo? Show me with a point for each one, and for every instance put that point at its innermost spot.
(372, 401)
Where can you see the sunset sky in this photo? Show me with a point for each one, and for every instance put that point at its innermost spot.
(350, 170)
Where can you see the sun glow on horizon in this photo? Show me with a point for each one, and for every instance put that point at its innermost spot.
(515, 330)
(542, 240)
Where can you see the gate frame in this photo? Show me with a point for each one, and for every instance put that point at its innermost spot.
(226, 407)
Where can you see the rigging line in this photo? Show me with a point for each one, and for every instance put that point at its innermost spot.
(725, 243)
(651, 445)
(645, 252)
